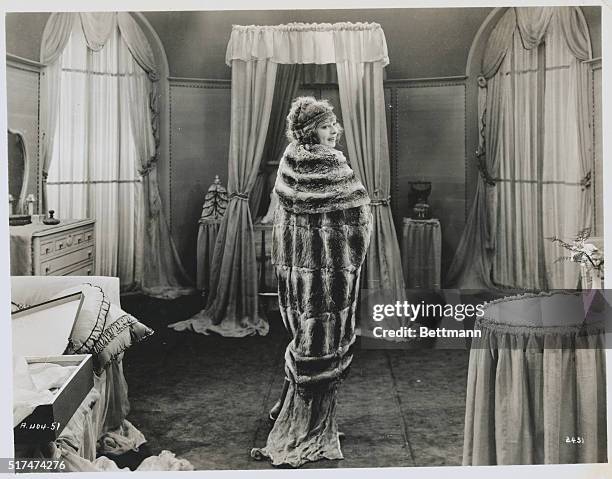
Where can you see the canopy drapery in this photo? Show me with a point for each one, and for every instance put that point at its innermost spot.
(562, 29)
(231, 309)
(359, 51)
(162, 272)
(319, 43)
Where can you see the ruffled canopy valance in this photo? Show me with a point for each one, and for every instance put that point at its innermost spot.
(319, 43)
(531, 24)
(97, 28)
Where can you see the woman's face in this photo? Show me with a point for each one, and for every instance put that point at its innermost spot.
(327, 132)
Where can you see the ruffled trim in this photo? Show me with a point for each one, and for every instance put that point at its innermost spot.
(113, 331)
(110, 333)
(96, 331)
(309, 27)
(529, 295)
(586, 328)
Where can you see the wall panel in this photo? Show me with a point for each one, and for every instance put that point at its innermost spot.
(199, 144)
(23, 91)
(429, 145)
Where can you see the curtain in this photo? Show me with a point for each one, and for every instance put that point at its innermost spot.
(288, 79)
(518, 261)
(161, 273)
(232, 308)
(94, 173)
(308, 43)
(163, 277)
(567, 158)
(253, 53)
(55, 36)
(363, 111)
(524, 189)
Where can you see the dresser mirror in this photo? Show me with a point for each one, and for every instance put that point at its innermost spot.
(18, 168)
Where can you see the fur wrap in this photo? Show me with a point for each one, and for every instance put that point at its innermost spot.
(320, 238)
(317, 180)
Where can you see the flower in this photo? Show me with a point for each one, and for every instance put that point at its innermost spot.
(581, 251)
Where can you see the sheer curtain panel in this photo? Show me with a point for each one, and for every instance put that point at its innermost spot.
(100, 145)
(534, 153)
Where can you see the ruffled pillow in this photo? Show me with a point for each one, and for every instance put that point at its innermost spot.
(103, 329)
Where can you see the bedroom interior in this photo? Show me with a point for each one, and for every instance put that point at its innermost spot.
(155, 138)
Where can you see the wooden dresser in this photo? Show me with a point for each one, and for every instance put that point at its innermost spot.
(68, 248)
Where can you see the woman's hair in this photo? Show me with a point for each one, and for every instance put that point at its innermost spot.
(305, 116)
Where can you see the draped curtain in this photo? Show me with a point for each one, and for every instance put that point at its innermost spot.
(232, 309)
(533, 156)
(105, 166)
(253, 53)
(94, 169)
(363, 111)
(288, 79)
(519, 237)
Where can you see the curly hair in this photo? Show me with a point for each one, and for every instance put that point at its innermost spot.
(305, 116)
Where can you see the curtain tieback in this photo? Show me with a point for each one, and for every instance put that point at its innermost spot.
(585, 182)
(240, 196)
(381, 201)
(145, 170)
(482, 167)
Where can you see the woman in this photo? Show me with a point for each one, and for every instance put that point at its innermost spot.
(320, 237)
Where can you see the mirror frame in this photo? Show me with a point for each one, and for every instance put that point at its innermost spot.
(19, 206)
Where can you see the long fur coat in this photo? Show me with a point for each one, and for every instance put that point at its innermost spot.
(320, 238)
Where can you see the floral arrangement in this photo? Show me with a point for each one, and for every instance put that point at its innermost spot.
(582, 251)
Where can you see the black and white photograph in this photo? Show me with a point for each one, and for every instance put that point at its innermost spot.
(242, 238)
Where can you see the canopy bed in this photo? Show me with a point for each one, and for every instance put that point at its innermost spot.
(265, 62)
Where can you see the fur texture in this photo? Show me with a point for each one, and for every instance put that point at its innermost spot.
(317, 180)
(320, 238)
(318, 260)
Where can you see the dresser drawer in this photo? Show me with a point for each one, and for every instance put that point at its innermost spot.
(61, 262)
(47, 248)
(55, 250)
(83, 270)
(66, 242)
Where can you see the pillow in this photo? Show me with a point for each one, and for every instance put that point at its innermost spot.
(90, 321)
(103, 329)
(121, 331)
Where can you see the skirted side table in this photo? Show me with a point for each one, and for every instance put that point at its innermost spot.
(207, 236)
(421, 253)
(213, 210)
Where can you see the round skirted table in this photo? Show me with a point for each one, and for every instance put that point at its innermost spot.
(421, 250)
(536, 389)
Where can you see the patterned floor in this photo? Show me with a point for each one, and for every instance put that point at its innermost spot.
(206, 398)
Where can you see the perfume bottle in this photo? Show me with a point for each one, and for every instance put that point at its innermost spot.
(50, 220)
